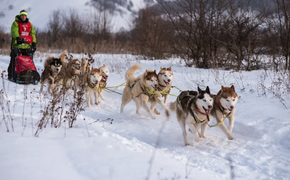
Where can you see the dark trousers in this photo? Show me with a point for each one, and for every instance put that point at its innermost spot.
(11, 67)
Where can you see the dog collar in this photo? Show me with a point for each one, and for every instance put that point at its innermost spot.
(201, 112)
(161, 85)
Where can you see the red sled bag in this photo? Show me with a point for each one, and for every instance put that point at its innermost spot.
(25, 70)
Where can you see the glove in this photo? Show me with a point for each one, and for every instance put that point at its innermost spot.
(19, 40)
(33, 47)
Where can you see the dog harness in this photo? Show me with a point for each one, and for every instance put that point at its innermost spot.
(165, 91)
(131, 87)
(222, 109)
(90, 84)
(191, 111)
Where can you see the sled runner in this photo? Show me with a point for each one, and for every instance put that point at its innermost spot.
(24, 70)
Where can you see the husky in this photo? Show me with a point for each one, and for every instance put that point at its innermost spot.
(105, 74)
(70, 74)
(193, 109)
(52, 72)
(225, 107)
(92, 83)
(165, 78)
(138, 89)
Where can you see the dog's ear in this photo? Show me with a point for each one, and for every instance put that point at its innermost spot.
(207, 90)
(161, 68)
(233, 87)
(154, 71)
(199, 90)
(169, 68)
(104, 65)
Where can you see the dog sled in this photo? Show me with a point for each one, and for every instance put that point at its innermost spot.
(24, 70)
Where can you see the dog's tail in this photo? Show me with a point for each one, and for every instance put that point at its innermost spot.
(62, 57)
(130, 72)
(172, 106)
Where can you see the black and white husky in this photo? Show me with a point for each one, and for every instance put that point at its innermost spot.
(193, 109)
(52, 72)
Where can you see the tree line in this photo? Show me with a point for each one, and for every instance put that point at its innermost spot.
(230, 34)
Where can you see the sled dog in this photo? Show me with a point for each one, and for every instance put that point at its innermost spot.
(71, 72)
(138, 88)
(193, 109)
(52, 72)
(165, 77)
(92, 82)
(105, 74)
(225, 107)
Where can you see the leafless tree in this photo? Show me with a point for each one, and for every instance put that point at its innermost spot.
(282, 10)
(239, 31)
(150, 33)
(55, 26)
(194, 23)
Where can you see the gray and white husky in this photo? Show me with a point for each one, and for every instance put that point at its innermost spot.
(193, 109)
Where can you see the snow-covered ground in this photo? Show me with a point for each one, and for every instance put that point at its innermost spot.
(137, 147)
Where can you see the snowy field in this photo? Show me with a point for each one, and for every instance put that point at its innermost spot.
(133, 147)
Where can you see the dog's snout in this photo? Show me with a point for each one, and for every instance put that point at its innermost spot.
(169, 80)
(232, 107)
(209, 106)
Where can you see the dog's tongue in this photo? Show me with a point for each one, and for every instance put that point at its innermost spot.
(206, 110)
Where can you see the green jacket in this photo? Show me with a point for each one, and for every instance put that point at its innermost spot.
(15, 33)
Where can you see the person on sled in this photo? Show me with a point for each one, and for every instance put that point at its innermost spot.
(23, 38)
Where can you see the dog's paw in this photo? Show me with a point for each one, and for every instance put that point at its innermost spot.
(197, 138)
(231, 137)
(203, 136)
(156, 112)
(187, 144)
(98, 102)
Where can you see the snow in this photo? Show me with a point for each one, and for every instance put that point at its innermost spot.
(137, 147)
(39, 12)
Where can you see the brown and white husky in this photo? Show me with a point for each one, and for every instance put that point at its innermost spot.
(225, 107)
(92, 80)
(138, 89)
(193, 109)
(105, 74)
(165, 78)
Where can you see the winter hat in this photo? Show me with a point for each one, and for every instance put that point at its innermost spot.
(23, 12)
